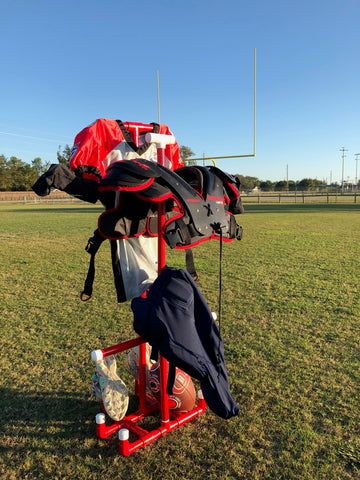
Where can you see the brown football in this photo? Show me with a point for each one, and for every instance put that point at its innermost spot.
(183, 397)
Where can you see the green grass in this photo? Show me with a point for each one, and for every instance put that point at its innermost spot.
(290, 323)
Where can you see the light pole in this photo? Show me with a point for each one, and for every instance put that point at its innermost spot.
(343, 150)
(356, 175)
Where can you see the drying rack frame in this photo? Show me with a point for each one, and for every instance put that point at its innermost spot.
(147, 404)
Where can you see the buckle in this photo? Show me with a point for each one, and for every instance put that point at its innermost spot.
(238, 232)
(174, 238)
(93, 244)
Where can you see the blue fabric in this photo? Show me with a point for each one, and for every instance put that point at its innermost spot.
(176, 320)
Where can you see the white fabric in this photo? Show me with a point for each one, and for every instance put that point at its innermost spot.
(123, 151)
(139, 266)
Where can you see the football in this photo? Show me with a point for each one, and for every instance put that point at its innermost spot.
(183, 397)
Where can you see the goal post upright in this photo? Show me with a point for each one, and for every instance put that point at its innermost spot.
(212, 158)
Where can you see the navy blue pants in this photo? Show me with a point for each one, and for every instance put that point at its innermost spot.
(177, 322)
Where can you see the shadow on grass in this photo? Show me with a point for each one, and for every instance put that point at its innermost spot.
(296, 208)
(42, 421)
(48, 435)
(44, 408)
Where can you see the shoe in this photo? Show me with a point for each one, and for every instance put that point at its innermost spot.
(115, 396)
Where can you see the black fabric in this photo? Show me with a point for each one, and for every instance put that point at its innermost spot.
(62, 178)
(128, 220)
(211, 181)
(232, 187)
(83, 189)
(90, 170)
(180, 235)
(162, 182)
(176, 320)
(198, 212)
(155, 192)
(128, 173)
(92, 247)
(190, 265)
(171, 379)
(118, 278)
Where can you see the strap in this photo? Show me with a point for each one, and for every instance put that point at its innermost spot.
(171, 379)
(190, 265)
(92, 247)
(118, 278)
(154, 353)
(179, 235)
(128, 138)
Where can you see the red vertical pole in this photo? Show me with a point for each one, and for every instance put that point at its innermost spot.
(161, 264)
(161, 218)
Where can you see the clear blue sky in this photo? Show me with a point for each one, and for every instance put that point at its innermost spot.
(66, 63)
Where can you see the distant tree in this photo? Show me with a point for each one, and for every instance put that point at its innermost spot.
(308, 184)
(266, 186)
(21, 175)
(29, 176)
(64, 156)
(4, 173)
(248, 183)
(40, 166)
(304, 184)
(185, 154)
(15, 177)
(280, 186)
(285, 185)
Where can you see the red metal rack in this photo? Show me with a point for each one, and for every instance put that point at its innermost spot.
(147, 404)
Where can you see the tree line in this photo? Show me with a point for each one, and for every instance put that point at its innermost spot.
(306, 184)
(17, 175)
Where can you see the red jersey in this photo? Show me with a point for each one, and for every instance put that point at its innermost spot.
(105, 141)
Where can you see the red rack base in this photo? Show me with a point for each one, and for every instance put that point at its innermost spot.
(147, 406)
(145, 437)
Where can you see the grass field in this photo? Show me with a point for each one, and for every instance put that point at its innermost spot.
(291, 328)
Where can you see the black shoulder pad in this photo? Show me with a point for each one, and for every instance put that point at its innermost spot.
(232, 190)
(128, 173)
